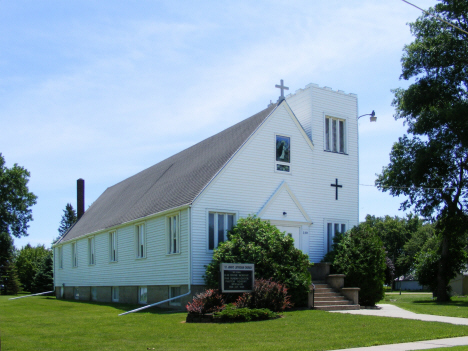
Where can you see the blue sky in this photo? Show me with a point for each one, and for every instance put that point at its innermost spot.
(102, 90)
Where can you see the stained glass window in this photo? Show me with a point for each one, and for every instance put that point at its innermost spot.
(283, 146)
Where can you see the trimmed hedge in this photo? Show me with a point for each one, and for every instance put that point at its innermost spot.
(233, 314)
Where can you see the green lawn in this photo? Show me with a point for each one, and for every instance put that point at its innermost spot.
(424, 304)
(44, 323)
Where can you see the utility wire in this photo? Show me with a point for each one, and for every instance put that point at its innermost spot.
(440, 19)
(407, 187)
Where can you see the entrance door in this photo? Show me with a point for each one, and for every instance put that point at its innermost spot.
(294, 232)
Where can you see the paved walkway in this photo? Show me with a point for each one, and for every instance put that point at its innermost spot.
(397, 312)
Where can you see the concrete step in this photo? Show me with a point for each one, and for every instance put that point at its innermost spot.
(328, 298)
(337, 307)
(332, 303)
(324, 290)
(325, 294)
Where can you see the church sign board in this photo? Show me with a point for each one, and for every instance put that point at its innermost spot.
(237, 277)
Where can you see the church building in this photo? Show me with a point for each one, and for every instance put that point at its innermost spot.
(149, 237)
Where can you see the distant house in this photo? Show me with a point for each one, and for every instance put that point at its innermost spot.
(150, 236)
(459, 284)
(408, 285)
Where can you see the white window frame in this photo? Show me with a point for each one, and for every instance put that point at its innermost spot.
(115, 294)
(113, 247)
(280, 163)
(173, 233)
(74, 254)
(175, 293)
(91, 251)
(216, 227)
(330, 231)
(60, 257)
(143, 295)
(140, 240)
(341, 136)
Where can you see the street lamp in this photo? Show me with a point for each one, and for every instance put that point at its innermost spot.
(372, 116)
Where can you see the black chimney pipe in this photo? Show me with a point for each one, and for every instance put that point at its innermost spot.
(80, 196)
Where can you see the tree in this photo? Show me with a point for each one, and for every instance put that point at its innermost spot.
(27, 263)
(413, 247)
(9, 282)
(68, 220)
(44, 278)
(273, 253)
(361, 257)
(427, 260)
(395, 233)
(15, 199)
(430, 165)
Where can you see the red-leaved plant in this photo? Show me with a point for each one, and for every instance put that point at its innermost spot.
(266, 294)
(209, 301)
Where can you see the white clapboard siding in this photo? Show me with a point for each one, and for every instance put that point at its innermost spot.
(158, 268)
(248, 181)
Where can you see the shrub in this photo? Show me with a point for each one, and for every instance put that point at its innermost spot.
(266, 294)
(232, 313)
(273, 253)
(361, 257)
(206, 302)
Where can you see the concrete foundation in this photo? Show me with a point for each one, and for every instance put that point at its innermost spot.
(104, 294)
(85, 293)
(129, 294)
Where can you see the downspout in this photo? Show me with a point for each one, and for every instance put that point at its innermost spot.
(189, 257)
(22, 297)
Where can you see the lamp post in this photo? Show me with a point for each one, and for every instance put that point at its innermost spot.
(372, 116)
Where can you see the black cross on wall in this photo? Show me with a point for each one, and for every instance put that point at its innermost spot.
(336, 188)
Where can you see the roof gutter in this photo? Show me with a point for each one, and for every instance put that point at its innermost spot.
(115, 227)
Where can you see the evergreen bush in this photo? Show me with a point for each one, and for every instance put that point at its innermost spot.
(361, 257)
(273, 253)
(44, 278)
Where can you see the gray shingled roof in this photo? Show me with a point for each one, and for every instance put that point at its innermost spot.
(171, 183)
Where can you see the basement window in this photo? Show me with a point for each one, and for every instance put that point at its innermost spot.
(143, 295)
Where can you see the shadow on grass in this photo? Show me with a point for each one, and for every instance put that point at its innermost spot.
(123, 307)
(435, 303)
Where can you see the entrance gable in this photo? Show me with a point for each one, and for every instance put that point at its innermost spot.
(284, 206)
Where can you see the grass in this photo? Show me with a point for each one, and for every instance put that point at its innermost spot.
(44, 323)
(420, 303)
